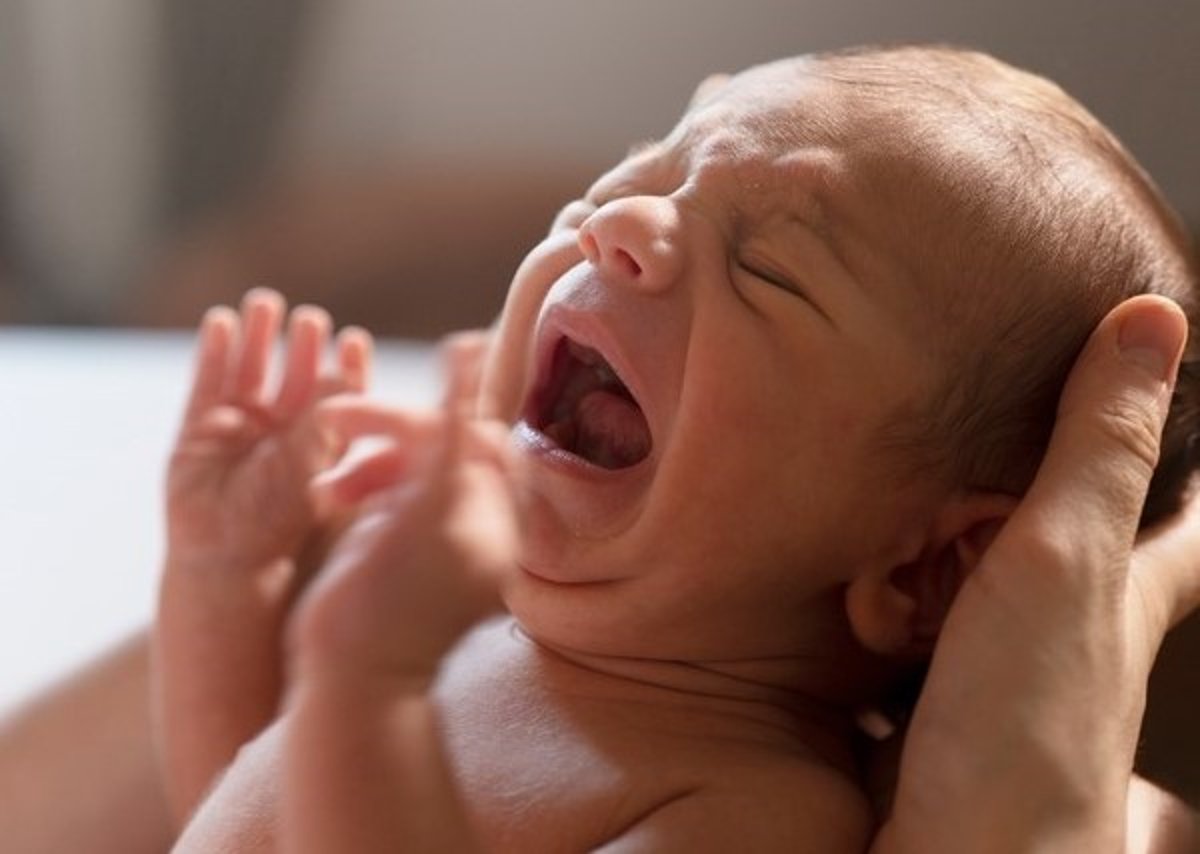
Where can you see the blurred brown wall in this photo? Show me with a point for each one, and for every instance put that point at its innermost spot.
(413, 252)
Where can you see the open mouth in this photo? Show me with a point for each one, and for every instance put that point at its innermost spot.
(584, 408)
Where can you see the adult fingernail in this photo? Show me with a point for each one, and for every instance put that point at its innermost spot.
(1152, 341)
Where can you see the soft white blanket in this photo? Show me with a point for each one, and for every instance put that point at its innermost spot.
(86, 420)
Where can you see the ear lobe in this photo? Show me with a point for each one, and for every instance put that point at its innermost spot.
(880, 615)
(900, 611)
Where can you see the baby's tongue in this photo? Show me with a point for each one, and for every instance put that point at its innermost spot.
(610, 430)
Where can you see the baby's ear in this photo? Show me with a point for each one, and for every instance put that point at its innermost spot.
(708, 87)
(900, 610)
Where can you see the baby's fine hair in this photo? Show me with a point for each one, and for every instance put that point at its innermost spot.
(1046, 223)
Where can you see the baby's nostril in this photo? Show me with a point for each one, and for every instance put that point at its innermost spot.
(624, 259)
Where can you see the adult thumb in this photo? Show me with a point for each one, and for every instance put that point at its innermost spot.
(1090, 488)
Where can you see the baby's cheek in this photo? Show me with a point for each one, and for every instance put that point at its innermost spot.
(847, 442)
(843, 420)
(504, 371)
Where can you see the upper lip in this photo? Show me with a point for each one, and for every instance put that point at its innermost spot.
(586, 329)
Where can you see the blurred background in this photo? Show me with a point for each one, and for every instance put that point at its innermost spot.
(393, 160)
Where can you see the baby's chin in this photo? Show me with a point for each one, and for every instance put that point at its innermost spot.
(635, 618)
(544, 616)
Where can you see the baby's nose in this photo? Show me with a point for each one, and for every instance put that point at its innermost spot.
(635, 240)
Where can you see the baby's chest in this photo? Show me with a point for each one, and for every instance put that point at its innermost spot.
(545, 790)
(552, 774)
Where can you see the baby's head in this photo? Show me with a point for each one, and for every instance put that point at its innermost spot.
(794, 362)
(1040, 223)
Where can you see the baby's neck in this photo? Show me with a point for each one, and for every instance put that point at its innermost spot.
(787, 695)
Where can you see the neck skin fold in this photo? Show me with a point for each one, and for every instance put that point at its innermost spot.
(791, 696)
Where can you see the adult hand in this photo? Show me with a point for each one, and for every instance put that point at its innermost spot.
(1024, 735)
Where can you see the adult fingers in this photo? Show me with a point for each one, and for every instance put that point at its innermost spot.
(1084, 505)
(1167, 563)
(1158, 822)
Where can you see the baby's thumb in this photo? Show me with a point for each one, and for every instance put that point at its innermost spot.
(1093, 482)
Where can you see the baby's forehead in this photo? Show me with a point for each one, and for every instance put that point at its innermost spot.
(889, 181)
(778, 108)
(794, 133)
(881, 118)
(787, 134)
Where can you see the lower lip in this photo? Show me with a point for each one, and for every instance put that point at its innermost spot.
(532, 442)
(567, 501)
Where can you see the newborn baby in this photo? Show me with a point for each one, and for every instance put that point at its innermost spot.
(768, 392)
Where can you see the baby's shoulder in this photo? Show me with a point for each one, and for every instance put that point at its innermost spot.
(758, 805)
(804, 786)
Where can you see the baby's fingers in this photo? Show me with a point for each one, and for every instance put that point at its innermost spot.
(462, 357)
(351, 416)
(218, 330)
(308, 334)
(262, 315)
(352, 482)
(477, 448)
(355, 350)
(485, 506)
(352, 373)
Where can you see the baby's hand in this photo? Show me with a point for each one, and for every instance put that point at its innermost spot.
(424, 560)
(237, 504)
(365, 765)
(238, 519)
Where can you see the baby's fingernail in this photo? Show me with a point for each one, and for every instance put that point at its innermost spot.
(1152, 341)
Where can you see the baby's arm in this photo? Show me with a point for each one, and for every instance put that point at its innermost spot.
(365, 767)
(77, 764)
(238, 519)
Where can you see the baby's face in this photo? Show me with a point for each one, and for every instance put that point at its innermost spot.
(698, 361)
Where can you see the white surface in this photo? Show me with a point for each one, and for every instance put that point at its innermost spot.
(86, 420)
